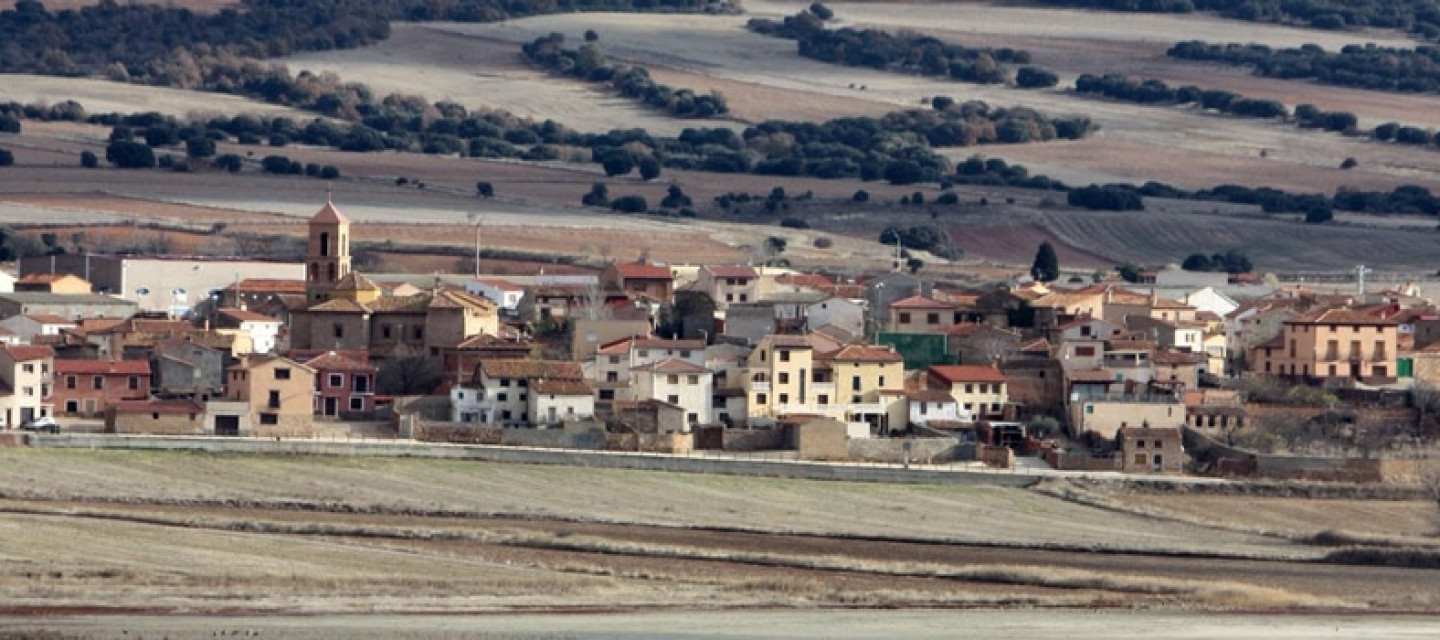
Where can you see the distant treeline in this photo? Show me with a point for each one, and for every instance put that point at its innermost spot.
(1406, 199)
(588, 63)
(1421, 17)
(136, 36)
(1363, 66)
(906, 53)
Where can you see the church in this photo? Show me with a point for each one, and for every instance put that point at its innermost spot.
(346, 311)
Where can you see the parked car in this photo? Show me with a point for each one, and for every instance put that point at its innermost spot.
(42, 424)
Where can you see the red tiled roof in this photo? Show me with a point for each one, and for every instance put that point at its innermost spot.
(812, 280)
(268, 285)
(531, 369)
(1341, 316)
(624, 345)
(727, 271)
(920, 302)
(1090, 375)
(329, 214)
(333, 361)
(867, 353)
(930, 395)
(967, 373)
(245, 315)
(561, 387)
(642, 271)
(102, 367)
(22, 352)
(672, 365)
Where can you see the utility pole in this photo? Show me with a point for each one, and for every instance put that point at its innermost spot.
(1360, 272)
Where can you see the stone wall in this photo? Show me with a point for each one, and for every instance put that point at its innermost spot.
(996, 456)
(822, 440)
(892, 450)
(753, 439)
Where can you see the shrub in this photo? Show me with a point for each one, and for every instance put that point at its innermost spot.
(229, 162)
(1035, 78)
(484, 189)
(861, 196)
(794, 223)
(823, 242)
(948, 198)
(329, 172)
(89, 160)
(130, 155)
(630, 204)
(6, 158)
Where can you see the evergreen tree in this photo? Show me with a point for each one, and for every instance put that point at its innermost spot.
(1047, 266)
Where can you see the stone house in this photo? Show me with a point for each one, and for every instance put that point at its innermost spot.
(919, 314)
(278, 394)
(639, 278)
(184, 368)
(156, 417)
(1150, 450)
(26, 327)
(728, 284)
(88, 387)
(1343, 345)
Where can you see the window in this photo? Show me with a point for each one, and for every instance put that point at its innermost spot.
(339, 330)
(924, 408)
(1084, 351)
(685, 353)
(855, 383)
(98, 382)
(905, 318)
(932, 318)
(504, 382)
(505, 415)
(692, 380)
(385, 331)
(760, 398)
(337, 380)
(1089, 408)
(1379, 350)
(969, 388)
(856, 399)
(282, 374)
(882, 382)
(134, 382)
(643, 353)
(614, 359)
(1333, 328)
(142, 291)
(783, 377)
(674, 399)
(274, 402)
(362, 383)
(154, 416)
(744, 297)
(269, 418)
(502, 397)
(28, 368)
(784, 398)
(417, 333)
(607, 394)
(1139, 444)
(612, 376)
(72, 406)
(784, 355)
(70, 382)
(1157, 460)
(693, 418)
(822, 399)
(729, 297)
(357, 404)
(1140, 458)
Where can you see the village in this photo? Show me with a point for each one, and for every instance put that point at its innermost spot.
(1184, 372)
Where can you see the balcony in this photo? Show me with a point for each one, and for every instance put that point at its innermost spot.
(830, 409)
(760, 387)
(823, 387)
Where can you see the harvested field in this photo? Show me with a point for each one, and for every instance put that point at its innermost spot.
(1367, 517)
(101, 96)
(330, 535)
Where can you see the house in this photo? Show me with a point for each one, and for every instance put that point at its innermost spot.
(556, 302)
(979, 343)
(790, 375)
(505, 294)
(881, 292)
(936, 409)
(63, 283)
(676, 382)
(1343, 345)
(1147, 449)
(88, 387)
(842, 313)
(72, 306)
(344, 385)
(264, 295)
(728, 284)
(263, 331)
(555, 401)
(276, 393)
(178, 417)
(500, 393)
(1106, 416)
(26, 377)
(919, 314)
(185, 368)
(978, 389)
(1177, 371)
(587, 335)
(164, 284)
(26, 327)
(639, 278)
(459, 361)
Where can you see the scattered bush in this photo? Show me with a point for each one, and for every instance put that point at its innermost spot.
(630, 204)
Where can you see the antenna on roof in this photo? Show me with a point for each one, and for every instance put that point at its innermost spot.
(328, 195)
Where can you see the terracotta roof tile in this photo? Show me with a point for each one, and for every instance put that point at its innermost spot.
(49, 318)
(531, 369)
(642, 271)
(1090, 375)
(329, 214)
(726, 271)
(22, 353)
(867, 353)
(102, 367)
(333, 361)
(561, 387)
(920, 302)
(245, 315)
(967, 373)
(672, 365)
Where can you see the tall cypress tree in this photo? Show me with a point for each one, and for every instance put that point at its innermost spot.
(1046, 267)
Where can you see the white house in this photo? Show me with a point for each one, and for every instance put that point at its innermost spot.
(264, 331)
(936, 408)
(615, 361)
(553, 401)
(677, 382)
(501, 393)
(1208, 299)
(504, 293)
